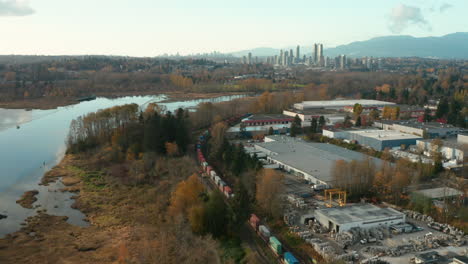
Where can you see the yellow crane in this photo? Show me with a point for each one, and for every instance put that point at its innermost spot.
(329, 196)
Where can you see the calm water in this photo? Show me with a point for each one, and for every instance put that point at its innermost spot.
(41, 140)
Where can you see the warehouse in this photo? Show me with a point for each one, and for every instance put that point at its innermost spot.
(374, 138)
(428, 130)
(341, 104)
(312, 161)
(341, 219)
(264, 120)
(331, 116)
(451, 149)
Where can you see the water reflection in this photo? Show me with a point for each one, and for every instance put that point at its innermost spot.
(41, 141)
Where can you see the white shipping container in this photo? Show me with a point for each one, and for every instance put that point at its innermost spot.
(221, 183)
(264, 231)
(213, 174)
(217, 179)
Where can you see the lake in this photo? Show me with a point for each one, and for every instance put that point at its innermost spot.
(27, 152)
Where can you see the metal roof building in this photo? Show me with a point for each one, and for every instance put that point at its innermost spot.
(440, 193)
(313, 161)
(340, 219)
(340, 104)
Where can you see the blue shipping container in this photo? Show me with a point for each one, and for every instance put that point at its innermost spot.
(290, 259)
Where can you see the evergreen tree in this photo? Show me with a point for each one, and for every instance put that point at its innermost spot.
(313, 125)
(442, 108)
(240, 205)
(358, 121)
(321, 122)
(215, 216)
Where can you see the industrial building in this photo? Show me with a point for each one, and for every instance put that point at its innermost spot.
(440, 193)
(341, 104)
(312, 161)
(252, 131)
(451, 149)
(331, 116)
(373, 138)
(264, 120)
(341, 219)
(428, 129)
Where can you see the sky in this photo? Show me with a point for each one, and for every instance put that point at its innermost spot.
(155, 27)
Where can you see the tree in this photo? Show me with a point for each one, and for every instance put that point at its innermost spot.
(321, 122)
(172, 149)
(271, 131)
(269, 189)
(313, 125)
(186, 195)
(296, 126)
(357, 109)
(442, 108)
(216, 215)
(358, 121)
(427, 115)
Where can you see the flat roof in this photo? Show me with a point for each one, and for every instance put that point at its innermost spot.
(440, 192)
(316, 159)
(340, 103)
(427, 125)
(237, 128)
(358, 213)
(318, 111)
(450, 142)
(267, 117)
(384, 134)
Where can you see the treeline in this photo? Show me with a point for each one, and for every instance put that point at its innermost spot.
(131, 132)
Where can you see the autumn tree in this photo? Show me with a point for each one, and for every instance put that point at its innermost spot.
(269, 189)
(186, 195)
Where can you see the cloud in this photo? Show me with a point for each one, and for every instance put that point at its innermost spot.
(403, 16)
(15, 8)
(444, 7)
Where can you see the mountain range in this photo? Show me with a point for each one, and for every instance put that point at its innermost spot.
(451, 46)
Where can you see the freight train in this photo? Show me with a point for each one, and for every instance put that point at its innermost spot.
(207, 169)
(262, 230)
(273, 242)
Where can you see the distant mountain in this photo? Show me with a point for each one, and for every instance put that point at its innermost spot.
(452, 46)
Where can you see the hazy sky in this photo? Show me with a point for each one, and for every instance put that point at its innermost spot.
(154, 27)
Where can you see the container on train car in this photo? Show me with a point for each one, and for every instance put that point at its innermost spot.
(213, 174)
(221, 185)
(264, 231)
(227, 191)
(254, 221)
(217, 179)
(204, 164)
(276, 245)
(290, 259)
(209, 169)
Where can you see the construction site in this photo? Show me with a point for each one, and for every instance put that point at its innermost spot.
(363, 232)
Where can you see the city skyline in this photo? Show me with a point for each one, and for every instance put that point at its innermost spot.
(151, 28)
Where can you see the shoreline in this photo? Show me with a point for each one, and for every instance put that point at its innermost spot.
(48, 103)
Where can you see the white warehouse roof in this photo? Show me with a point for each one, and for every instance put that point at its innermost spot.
(357, 213)
(340, 104)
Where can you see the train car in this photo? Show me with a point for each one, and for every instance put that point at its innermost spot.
(221, 185)
(217, 179)
(290, 259)
(213, 174)
(276, 245)
(209, 169)
(227, 191)
(264, 232)
(254, 221)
